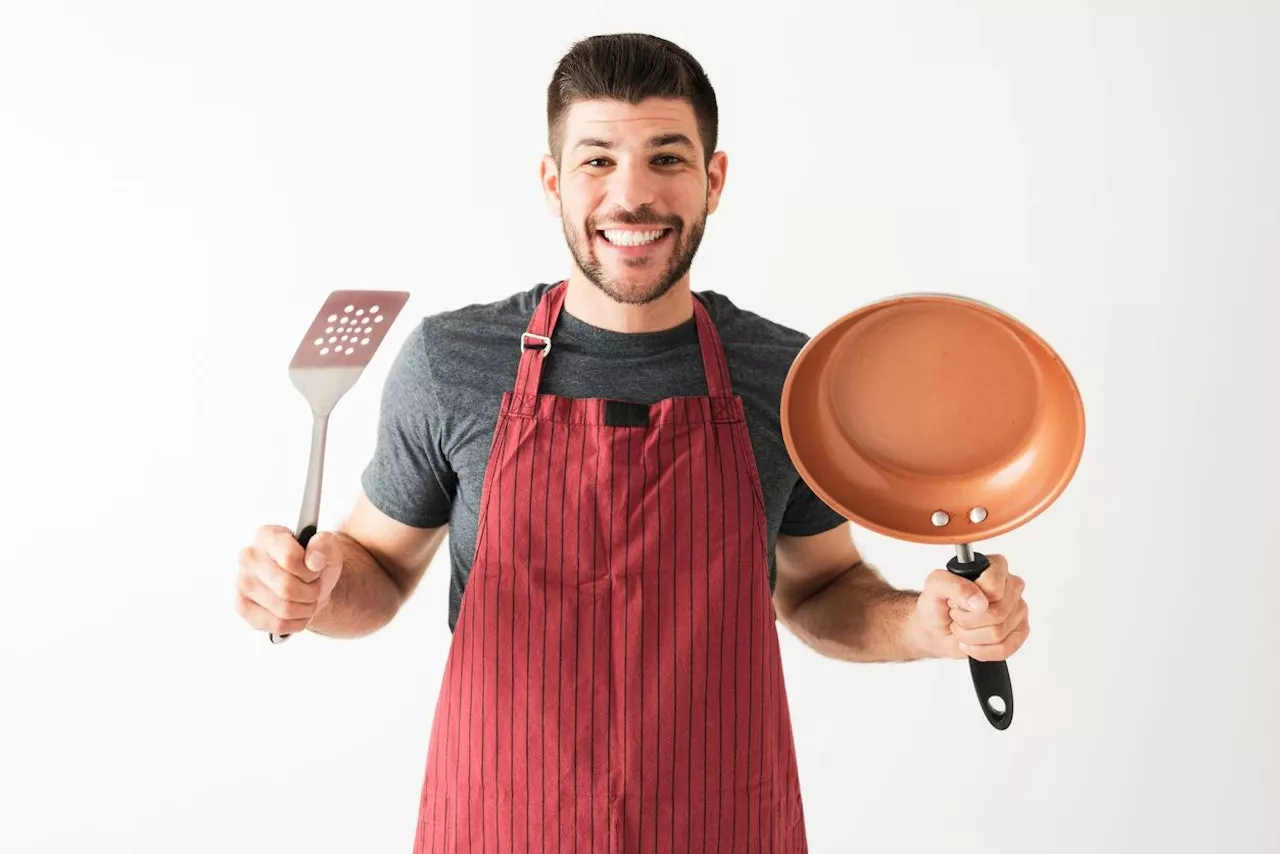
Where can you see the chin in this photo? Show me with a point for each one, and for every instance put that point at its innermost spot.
(635, 290)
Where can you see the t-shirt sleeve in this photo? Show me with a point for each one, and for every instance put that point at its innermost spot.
(409, 477)
(807, 514)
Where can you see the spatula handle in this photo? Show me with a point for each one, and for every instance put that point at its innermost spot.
(304, 536)
(308, 518)
(990, 678)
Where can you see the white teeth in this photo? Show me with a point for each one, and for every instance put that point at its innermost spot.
(622, 237)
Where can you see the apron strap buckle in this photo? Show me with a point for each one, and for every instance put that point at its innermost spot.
(545, 341)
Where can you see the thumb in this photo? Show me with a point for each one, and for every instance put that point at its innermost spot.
(323, 552)
(943, 586)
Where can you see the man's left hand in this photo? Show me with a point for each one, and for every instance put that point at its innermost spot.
(985, 620)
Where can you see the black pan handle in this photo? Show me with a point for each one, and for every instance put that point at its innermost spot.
(990, 678)
(303, 537)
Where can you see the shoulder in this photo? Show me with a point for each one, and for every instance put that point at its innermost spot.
(760, 350)
(467, 348)
(483, 320)
(478, 332)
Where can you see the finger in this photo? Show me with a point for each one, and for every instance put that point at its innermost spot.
(991, 634)
(253, 589)
(263, 620)
(946, 587)
(324, 552)
(997, 612)
(257, 566)
(283, 548)
(994, 578)
(1002, 650)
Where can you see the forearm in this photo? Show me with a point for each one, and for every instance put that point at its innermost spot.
(859, 617)
(364, 599)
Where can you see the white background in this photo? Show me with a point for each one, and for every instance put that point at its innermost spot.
(181, 184)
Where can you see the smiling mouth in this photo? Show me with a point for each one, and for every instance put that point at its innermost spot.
(632, 237)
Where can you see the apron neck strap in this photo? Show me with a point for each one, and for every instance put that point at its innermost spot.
(535, 344)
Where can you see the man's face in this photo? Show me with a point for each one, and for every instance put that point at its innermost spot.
(633, 194)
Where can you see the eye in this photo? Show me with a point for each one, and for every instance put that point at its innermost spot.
(597, 162)
(671, 159)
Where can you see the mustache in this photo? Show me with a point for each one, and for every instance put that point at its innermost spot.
(643, 216)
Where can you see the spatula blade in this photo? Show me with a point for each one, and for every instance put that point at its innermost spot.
(348, 328)
(340, 342)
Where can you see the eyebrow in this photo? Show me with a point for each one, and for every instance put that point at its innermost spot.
(659, 141)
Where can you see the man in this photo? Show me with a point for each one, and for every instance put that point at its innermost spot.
(626, 526)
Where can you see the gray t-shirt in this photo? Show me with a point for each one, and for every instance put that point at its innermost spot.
(441, 399)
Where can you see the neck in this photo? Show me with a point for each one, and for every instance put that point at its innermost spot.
(591, 305)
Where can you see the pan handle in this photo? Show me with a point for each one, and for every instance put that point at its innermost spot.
(990, 678)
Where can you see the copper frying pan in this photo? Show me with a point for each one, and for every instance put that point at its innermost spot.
(934, 418)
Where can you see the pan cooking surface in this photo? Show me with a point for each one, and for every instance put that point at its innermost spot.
(933, 418)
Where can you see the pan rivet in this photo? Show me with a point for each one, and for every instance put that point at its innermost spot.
(940, 518)
(977, 514)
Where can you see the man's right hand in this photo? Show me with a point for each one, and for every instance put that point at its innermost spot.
(280, 586)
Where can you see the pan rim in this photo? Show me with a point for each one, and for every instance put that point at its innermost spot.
(815, 482)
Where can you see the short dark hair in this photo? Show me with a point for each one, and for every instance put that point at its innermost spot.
(630, 67)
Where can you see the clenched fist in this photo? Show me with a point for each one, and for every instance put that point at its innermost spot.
(281, 586)
(986, 620)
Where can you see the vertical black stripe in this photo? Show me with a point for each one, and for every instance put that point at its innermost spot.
(526, 510)
(739, 577)
(595, 604)
(688, 466)
(706, 689)
(608, 710)
(546, 581)
(626, 614)
(560, 573)
(644, 570)
(577, 635)
(675, 632)
(745, 459)
(497, 656)
(724, 571)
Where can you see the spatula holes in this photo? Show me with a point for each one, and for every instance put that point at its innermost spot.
(359, 311)
(324, 351)
(350, 309)
(329, 331)
(373, 310)
(378, 319)
(332, 318)
(364, 343)
(319, 342)
(350, 351)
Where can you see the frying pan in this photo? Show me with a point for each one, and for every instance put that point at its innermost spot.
(935, 418)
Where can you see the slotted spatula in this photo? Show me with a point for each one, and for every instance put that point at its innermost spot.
(333, 354)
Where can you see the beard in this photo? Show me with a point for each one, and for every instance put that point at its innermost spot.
(652, 286)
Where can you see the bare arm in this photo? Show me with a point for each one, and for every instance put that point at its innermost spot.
(840, 606)
(382, 563)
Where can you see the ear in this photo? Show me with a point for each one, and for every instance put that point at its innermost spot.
(716, 171)
(550, 177)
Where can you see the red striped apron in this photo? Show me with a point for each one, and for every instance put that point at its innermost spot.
(614, 682)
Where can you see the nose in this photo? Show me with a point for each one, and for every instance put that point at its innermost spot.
(632, 185)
